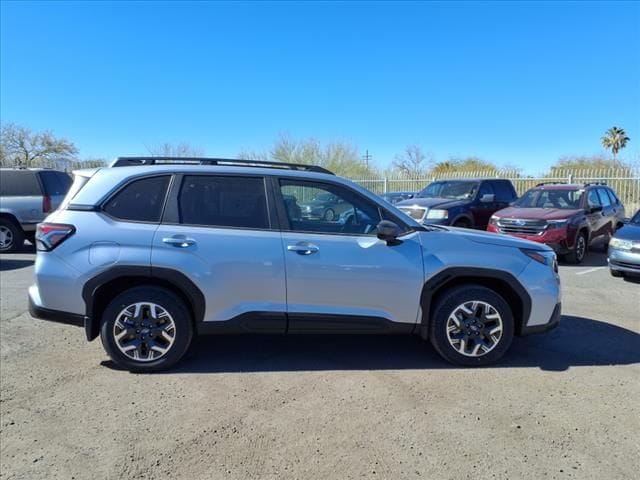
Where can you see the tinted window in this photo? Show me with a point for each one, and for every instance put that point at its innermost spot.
(504, 192)
(328, 208)
(454, 189)
(485, 189)
(55, 183)
(604, 198)
(592, 199)
(614, 199)
(16, 183)
(223, 201)
(139, 201)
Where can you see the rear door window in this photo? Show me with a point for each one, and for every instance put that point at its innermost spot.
(223, 201)
(604, 198)
(504, 192)
(139, 201)
(19, 183)
(55, 183)
(614, 199)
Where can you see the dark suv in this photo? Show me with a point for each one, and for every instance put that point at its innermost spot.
(461, 203)
(568, 218)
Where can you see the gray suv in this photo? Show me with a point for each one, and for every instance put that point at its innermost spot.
(149, 252)
(26, 198)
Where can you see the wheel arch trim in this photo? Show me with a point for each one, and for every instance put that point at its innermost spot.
(166, 277)
(519, 299)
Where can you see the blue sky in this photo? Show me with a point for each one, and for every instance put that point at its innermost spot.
(518, 83)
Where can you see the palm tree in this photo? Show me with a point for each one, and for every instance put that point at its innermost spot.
(615, 139)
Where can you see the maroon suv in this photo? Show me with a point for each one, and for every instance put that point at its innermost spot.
(568, 218)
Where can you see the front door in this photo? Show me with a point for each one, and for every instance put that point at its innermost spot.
(340, 276)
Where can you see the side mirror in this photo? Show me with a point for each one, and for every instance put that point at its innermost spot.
(488, 198)
(595, 209)
(388, 232)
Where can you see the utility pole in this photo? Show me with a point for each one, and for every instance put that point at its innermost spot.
(366, 158)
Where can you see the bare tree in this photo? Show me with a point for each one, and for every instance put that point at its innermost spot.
(181, 149)
(413, 163)
(22, 147)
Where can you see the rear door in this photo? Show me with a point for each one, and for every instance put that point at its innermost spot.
(219, 232)
(21, 194)
(340, 276)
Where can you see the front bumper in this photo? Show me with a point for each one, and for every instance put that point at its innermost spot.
(553, 322)
(624, 261)
(560, 239)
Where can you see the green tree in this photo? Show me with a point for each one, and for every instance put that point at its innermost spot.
(466, 164)
(615, 139)
(22, 147)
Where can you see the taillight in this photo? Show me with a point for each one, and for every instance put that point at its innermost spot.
(50, 235)
(46, 204)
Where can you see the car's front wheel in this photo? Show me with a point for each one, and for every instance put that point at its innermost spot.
(146, 329)
(579, 251)
(471, 326)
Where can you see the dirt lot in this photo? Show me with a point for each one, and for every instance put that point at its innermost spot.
(563, 405)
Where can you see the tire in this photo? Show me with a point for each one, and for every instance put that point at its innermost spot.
(477, 331)
(579, 251)
(11, 236)
(462, 223)
(152, 335)
(329, 215)
(616, 273)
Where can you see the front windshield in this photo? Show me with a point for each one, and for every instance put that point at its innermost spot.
(636, 218)
(453, 189)
(564, 199)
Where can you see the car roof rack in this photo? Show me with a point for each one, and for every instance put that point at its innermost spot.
(541, 184)
(589, 184)
(138, 161)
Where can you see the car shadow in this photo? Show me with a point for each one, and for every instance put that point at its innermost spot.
(591, 259)
(575, 342)
(7, 264)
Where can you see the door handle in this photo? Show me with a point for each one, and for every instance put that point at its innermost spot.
(303, 248)
(179, 241)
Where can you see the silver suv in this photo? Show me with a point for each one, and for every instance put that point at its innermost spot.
(26, 198)
(151, 251)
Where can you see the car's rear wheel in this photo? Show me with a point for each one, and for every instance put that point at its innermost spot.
(11, 236)
(146, 329)
(471, 326)
(579, 251)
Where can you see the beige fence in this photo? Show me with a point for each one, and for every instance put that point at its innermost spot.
(624, 181)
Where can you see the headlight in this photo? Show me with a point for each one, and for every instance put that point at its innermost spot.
(620, 244)
(557, 223)
(437, 214)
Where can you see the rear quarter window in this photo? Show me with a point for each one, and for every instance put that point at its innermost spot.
(19, 183)
(139, 201)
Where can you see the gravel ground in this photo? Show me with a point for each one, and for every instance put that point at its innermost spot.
(561, 405)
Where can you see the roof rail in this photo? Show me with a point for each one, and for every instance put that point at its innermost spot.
(137, 161)
(541, 184)
(594, 183)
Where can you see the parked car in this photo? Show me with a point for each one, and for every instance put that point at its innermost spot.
(624, 249)
(145, 254)
(461, 203)
(395, 197)
(325, 206)
(26, 197)
(568, 218)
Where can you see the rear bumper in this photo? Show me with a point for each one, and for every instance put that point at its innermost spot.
(553, 322)
(57, 316)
